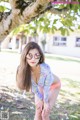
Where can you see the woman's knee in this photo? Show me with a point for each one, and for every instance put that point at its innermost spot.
(38, 110)
(45, 114)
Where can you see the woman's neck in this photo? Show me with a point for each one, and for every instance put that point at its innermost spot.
(34, 69)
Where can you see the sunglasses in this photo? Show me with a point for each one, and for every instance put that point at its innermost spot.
(30, 56)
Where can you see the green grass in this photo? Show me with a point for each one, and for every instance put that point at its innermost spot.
(67, 106)
(62, 58)
(49, 56)
(68, 101)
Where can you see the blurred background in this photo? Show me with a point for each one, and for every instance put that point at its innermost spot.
(57, 31)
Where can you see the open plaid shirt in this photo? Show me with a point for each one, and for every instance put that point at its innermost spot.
(45, 81)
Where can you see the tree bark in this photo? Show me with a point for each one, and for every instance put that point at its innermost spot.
(22, 12)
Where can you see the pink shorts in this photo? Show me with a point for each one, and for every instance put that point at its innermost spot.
(55, 85)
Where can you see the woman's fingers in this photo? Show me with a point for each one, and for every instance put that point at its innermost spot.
(39, 106)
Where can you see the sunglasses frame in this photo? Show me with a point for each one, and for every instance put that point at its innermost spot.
(38, 56)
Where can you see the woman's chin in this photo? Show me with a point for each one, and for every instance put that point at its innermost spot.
(33, 65)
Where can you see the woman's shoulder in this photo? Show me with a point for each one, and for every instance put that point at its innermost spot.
(45, 67)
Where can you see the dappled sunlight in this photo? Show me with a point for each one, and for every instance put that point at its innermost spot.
(15, 103)
(70, 90)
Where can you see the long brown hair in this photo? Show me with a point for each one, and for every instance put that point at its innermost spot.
(23, 71)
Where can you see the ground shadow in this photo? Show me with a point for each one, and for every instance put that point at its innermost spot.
(21, 106)
(18, 105)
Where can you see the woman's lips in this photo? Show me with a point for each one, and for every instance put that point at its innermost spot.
(33, 62)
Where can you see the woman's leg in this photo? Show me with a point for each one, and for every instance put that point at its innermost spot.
(38, 114)
(45, 115)
(38, 105)
(54, 91)
(53, 94)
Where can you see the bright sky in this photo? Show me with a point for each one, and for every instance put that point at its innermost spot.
(6, 4)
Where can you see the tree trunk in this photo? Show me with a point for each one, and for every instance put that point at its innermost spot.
(22, 12)
(5, 42)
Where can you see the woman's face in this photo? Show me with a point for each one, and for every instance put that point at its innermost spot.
(33, 57)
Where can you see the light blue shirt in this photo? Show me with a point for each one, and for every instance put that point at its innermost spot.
(45, 81)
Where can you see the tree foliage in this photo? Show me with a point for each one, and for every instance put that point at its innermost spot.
(48, 17)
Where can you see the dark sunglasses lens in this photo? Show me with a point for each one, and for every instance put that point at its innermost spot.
(30, 56)
(37, 56)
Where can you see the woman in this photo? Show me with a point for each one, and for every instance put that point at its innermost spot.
(35, 75)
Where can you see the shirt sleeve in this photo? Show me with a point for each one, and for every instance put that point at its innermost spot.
(47, 83)
(39, 95)
(36, 91)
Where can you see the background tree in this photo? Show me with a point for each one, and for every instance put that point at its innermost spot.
(45, 14)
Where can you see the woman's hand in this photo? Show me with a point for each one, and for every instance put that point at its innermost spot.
(46, 107)
(38, 103)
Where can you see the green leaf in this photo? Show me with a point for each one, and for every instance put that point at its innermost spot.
(67, 32)
(55, 21)
(64, 31)
(2, 8)
(79, 27)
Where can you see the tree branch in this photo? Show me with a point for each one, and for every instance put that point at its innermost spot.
(21, 13)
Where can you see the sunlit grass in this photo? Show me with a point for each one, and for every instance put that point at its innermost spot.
(62, 58)
(68, 101)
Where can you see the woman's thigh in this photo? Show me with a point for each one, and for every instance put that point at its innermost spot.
(54, 90)
(38, 102)
(53, 94)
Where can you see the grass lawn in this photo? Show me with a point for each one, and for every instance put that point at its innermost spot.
(21, 106)
(68, 103)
